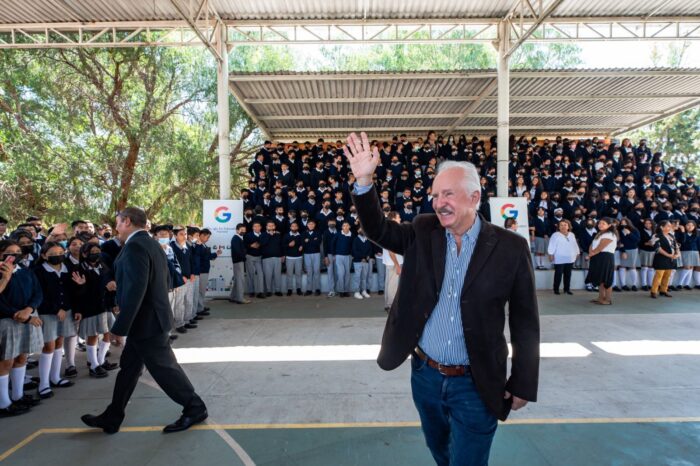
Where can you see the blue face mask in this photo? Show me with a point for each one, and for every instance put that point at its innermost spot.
(163, 240)
(64, 244)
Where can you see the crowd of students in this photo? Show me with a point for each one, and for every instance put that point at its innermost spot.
(57, 293)
(616, 208)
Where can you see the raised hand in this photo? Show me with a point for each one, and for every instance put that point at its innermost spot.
(362, 157)
(77, 278)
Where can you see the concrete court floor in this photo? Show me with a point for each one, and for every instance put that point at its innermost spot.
(635, 404)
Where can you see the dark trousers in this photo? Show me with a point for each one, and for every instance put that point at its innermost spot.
(564, 269)
(158, 357)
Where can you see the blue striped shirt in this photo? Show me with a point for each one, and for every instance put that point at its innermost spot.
(443, 335)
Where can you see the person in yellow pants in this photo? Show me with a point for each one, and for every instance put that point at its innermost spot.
(667, 253)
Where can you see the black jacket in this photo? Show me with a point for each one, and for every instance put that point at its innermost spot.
(142, 289)
(238, 250)
(500, 272)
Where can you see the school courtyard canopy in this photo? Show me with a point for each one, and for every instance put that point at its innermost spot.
(219, 25)
(305, 106)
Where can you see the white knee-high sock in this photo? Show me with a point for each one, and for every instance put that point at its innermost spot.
(102, 351)
(632, 275)
(616, 278)
(650, 276)
(17, 378)
(643, 275)
(69, 350)
(92, 356)
(684, 280)
(696, 278)
(674, 278)
(5, 391)
(45, 360)
(623, 276)
(56, 365)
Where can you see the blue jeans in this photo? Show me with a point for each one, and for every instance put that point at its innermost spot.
(457, 426)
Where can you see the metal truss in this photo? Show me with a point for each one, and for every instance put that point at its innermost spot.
(198, 28)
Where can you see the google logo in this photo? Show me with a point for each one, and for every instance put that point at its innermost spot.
(509, 211)
(222, 215)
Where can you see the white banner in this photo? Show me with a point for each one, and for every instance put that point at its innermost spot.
(221, 217)
(515, 207)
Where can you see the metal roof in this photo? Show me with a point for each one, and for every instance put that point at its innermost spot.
(290, 105)
(61, 11)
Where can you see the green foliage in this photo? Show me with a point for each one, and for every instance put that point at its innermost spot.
(85, 132)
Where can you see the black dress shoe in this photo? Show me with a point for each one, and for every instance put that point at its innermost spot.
(181, 329)
(269, 293)
(289, 292)
(185, 422)
(99, 423)
(190, 326)
(206, 309)
(279, 293)
(109, 366)
(317, 293)
(568, 292)
(198, 317)
(14, 410)
(30, 386)
(32, 364)
(299, 291)
(634, 288)
(556, 292)
(252, 295)
(686, 287)
(308, 293)
(205, 312)
(260, 296)
(173, 337)
(28, 400)
(626, 288)
(380, 292)
(617, 288)
(98, 372)
(70, 372)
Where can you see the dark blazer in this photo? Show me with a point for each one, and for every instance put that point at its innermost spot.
(142, 277)
(500, 272)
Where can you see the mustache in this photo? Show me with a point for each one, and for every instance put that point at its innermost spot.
(445, 210)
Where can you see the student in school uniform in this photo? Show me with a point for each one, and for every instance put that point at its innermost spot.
(689, 241)
(378, 262)
(272, 254)
(342, 245)
(196, 261)
(361, 255)
(25, 241)
(20, 328)
(539, 235)
(647, 250)
(238, 257)
(175, 281)
(293, 251)
(206, 256)
(94, 304)
(329, 255)
(72, 263)
(59, 288)
(311, 239)
(183, 253)
(629, 239)
(253, 241)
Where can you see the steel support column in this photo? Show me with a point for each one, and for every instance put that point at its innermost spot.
(223, 115)
(503, 108)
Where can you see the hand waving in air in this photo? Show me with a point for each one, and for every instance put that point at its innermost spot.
(363, 158)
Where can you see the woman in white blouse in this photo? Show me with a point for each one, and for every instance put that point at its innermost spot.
(563, 251)
(602, 254)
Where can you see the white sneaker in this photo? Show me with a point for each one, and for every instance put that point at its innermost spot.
(358, 295)
(331, 294)
(365, 294)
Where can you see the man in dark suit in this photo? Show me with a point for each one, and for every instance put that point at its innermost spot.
(458, 273)
(146, 318)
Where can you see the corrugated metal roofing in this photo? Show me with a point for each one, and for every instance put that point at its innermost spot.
(42, 11)
(308, 105)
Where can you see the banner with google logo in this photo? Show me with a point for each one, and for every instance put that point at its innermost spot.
(503, 208)
(221, 217)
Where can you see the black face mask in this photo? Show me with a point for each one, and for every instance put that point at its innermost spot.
(93, 257)
(16, 256)
(107, 235)
(54, 260)
(27, 249)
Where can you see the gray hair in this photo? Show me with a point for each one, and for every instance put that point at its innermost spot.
(472, 181)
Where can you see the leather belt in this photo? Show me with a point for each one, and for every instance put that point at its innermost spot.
(447, 371)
